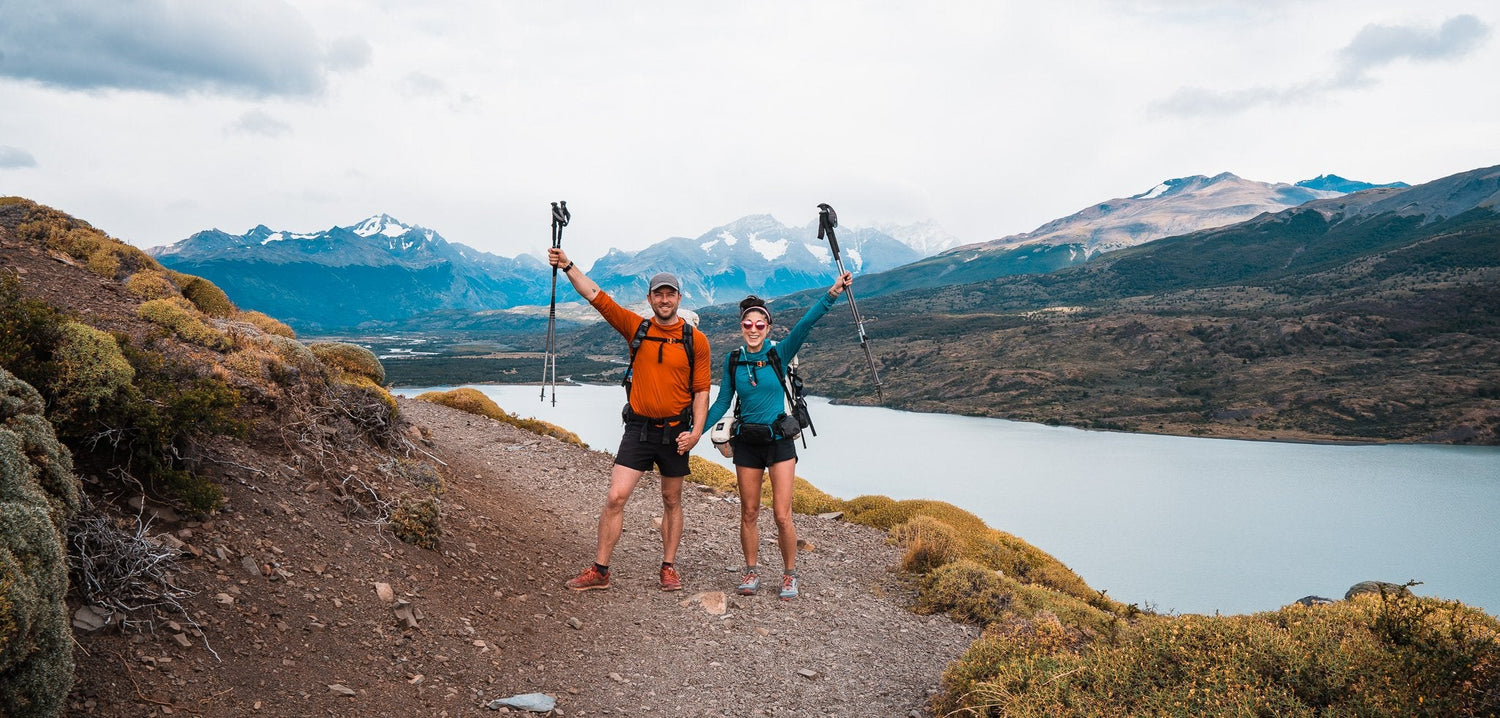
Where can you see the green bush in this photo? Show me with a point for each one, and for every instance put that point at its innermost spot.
(90, 369)
(418, 522)
(38, 494)
(150, 284)
(929, 543)
(183, 319)
(1334, 659)
(207, 297)
(351, 359)
(29, 332)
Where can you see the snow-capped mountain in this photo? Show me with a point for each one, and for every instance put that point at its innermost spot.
(375, 270)
(927, 237)
(752, 255)
(1170, 208)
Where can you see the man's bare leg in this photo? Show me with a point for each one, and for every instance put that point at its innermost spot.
(622, 481)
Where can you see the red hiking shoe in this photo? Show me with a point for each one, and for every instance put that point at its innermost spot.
(588, 580)
(670, 581)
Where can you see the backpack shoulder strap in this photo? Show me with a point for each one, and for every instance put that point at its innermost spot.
(775, 360)
(687, 346)
(635, 347)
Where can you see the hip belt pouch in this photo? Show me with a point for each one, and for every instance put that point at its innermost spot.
(754, 433)
(787, 426)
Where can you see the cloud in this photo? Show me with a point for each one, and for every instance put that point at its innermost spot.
(1372, 47)
(244, 47)
(12, 157)
(1378, 45)
(257, 122)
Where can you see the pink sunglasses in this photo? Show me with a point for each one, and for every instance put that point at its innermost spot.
(753, 324)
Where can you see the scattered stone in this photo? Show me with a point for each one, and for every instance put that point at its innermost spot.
(805, 545)
(1314, 600)
(714, 602)
(762, 631)
(250, 566)
(809, 674)
(384, 593)
(341, 689)
(534, 702)
(416, 679)
(182, 640)
(575, 623)
(831, 515)
(225, 599)
(89, 619)
(656, 522)
(405, 613)
(172, 542)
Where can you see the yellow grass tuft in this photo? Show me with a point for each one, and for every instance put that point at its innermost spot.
(150, 284)
(350, 358)
(266, 323)
(475, 402)
(183, 319)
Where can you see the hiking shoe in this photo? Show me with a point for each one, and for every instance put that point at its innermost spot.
(588, 580)
(670, 581)
(788, 586)
(750, 584)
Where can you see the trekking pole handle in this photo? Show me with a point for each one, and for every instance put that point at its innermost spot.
(827, 220)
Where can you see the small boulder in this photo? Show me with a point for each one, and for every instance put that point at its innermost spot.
(1314, 601)
(384, 593)
(534, 702)
(1377, 588)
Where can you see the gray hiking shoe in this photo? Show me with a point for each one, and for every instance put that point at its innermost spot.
(789, 589)
(751, 583)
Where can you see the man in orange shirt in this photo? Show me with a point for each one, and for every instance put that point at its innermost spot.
(667, 385)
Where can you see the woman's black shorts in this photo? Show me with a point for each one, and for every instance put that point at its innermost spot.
(760, 456)
(640, 455)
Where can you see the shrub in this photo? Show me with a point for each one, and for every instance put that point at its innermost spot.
(90, 368)
(967, 590)
(183, 319)
(703, 471)
(474, 401)
(350, 358)
(36, 666)
(929, 543)
(1320, 660)
(150, 284)
(266, 324)
(207, 297)
(29, 332)
(418, 522)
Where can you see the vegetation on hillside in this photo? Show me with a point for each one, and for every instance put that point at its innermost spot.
(475, 402)
(38, 496)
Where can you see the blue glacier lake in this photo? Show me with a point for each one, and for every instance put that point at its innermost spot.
(1179, 524)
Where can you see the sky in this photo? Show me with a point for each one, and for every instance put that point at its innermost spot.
(155, 119)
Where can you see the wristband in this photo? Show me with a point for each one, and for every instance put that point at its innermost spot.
(565, 269)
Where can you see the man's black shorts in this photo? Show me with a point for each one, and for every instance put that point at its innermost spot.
(641, 455)
(760, 456)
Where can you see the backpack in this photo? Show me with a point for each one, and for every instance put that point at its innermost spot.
(791, 387)
(635, 346)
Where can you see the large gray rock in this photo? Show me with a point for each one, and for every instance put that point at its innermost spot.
(1376, 587)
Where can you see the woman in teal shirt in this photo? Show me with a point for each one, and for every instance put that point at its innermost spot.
(757, 445)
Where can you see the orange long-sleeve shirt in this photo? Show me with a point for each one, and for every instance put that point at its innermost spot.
(660, 385)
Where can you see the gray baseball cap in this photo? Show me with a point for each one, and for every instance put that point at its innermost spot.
(664, 279)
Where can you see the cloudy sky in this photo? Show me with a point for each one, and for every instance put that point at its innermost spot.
(154, 119)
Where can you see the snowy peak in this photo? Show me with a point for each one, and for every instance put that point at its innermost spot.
(398, 236)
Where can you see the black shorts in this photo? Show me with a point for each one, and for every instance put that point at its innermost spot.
(640, 455)
(761, 456)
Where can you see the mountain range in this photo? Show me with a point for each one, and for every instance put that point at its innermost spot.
(373, 271)
(1172, 207)
(752, 255)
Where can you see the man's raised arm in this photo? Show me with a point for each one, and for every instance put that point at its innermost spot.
(585, 287)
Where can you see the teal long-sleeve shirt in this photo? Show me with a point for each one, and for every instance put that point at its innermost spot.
(762, 401)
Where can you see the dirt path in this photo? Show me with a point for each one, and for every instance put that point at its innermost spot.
(641, 651)
(492, 619)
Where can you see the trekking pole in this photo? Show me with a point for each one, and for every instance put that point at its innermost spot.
(560, 217)
(827, 220)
